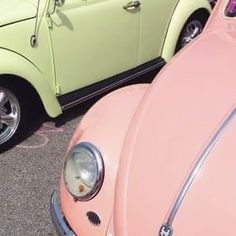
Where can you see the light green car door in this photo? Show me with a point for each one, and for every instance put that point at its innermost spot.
(154, 20)
(93, 40)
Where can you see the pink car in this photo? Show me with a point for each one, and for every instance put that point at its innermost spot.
(160, 159)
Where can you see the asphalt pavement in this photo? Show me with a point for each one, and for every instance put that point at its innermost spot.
(31, 169)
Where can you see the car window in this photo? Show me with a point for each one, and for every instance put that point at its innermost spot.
(231, 8)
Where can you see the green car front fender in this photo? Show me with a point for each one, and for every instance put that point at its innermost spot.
(14, 64)
(182, 13)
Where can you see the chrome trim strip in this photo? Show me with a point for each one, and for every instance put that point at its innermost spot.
(197, 167)
(57, 217)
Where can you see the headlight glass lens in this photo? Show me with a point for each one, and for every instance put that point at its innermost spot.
(84, 171)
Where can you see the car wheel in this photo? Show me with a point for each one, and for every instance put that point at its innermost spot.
(192, 28)
(12, 114)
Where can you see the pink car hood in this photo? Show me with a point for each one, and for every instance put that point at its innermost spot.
(179, 114)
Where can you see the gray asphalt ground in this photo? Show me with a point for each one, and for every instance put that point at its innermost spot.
(30, 171)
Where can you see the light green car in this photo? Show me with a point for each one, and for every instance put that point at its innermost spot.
(62, 52)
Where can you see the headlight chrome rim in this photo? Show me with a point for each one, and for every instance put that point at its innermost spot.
(100, 165)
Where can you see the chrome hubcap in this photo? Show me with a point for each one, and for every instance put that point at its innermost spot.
(9, 114)
(192, 30)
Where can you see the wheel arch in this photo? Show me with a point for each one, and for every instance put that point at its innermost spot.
(183, 12)
(16, 68)
(16, 82)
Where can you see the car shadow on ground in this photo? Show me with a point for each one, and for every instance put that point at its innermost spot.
(40, 117)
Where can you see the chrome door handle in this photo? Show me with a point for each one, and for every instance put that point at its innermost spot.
(132, 5)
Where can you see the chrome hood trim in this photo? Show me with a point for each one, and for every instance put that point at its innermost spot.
(196, 169)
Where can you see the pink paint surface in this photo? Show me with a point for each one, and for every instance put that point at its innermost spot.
(151, 138)
(107, 134)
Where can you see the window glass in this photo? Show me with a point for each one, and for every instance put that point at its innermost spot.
(231, 8)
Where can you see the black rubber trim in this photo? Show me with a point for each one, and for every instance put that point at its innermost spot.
(73, 98)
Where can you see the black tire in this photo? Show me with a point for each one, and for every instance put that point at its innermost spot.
(192, 28)
(13, 114)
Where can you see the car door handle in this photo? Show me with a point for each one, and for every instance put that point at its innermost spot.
(132, 5)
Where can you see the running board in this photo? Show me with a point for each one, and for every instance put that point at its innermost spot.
(73, 98)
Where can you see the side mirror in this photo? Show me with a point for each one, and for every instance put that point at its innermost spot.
(59, 3)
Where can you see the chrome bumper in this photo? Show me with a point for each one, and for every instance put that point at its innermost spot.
(58, 219)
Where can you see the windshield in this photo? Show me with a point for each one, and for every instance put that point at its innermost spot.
(231, 8)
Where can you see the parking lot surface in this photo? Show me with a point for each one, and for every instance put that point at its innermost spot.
(30, 171)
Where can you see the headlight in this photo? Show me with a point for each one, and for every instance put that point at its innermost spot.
(84, 171)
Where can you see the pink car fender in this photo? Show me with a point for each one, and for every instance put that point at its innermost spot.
(108, 136)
